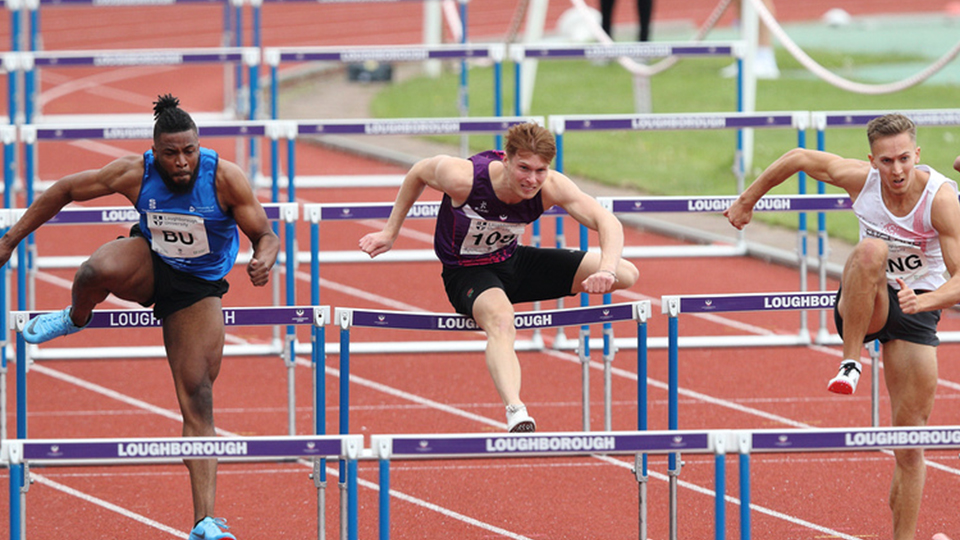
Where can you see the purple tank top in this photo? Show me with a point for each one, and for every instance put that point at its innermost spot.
(484, 229)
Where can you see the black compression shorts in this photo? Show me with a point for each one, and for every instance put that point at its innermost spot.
(529, 275)
(173, 289)
(916, 328)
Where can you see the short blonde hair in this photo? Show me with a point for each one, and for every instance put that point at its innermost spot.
(532, 138)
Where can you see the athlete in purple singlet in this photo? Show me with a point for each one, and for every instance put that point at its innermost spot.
(487, 201)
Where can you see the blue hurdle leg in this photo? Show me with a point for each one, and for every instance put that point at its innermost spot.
(720, 490)
(384, 499)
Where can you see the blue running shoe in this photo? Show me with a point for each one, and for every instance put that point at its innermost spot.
(211, 529)
(50, 325)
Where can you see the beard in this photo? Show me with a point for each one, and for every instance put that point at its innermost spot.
(174, 187)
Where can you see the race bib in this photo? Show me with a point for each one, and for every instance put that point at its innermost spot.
(906, 262)
(178, 236)
(488, 236)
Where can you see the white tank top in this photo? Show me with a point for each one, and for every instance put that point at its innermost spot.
(914, 245)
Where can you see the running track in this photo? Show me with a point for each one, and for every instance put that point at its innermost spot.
(795, 495)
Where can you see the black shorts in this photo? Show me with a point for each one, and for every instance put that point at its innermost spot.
(173, 289)
(529, 275)
(918, 328)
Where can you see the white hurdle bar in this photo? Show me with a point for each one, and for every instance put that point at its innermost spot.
(20, 454)
(316, 316)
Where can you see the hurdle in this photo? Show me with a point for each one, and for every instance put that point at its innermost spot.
(334, 212)
(33, 133)
(33, 9)
(477, 125)
(738, 121)
(274, 56)
(530, 54)
(673, 306)
(23, 454)
(347, 318)
(387, 448)
(833, 440)
(316, 316)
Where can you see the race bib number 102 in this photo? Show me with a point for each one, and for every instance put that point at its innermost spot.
(179, 236)
(488, 236)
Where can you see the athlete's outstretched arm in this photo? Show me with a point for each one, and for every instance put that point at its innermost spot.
(122, 175)
(450, 175)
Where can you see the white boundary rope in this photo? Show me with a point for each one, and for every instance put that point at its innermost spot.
(838, 81)
(805, 60)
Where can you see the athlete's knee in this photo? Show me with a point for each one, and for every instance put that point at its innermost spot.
(197, 400)
(870, 255)
(910, 460)
(627, 275)
(101, 267)
(495, 318)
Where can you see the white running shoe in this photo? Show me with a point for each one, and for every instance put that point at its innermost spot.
(518, 421)
(846, 380)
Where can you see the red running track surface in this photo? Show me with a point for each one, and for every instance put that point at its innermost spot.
(796, 496)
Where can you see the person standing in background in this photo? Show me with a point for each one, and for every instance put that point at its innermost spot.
(644, 12)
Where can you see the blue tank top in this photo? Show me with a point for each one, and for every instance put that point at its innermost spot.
(189, 231)
(484, 229)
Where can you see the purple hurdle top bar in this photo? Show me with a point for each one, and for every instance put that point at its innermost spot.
(121, 214)
(127, 214)
(664, 122)
(413, 126)
(770, 203)
(633, 50)
(64, 132)
(573, 443)
(753, 302)
(242, 316)
(929, 117)
(145, 450)
(353, 211)
(405, 320)
(856, 439)
(406, 53)
(146, 57)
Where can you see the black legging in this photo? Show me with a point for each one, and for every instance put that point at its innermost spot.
(644, 11)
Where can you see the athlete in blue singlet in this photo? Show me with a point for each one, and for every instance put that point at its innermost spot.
(191, 204)
(488, 199)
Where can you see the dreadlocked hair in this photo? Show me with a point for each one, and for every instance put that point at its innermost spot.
(169, 117)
